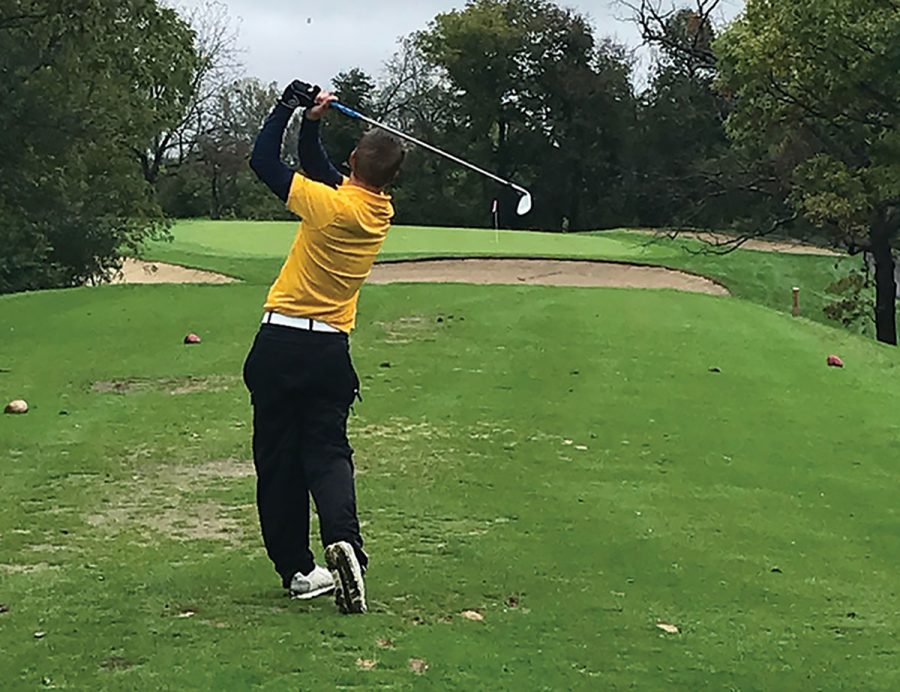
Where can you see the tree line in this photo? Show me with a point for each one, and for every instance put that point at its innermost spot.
(784, 121)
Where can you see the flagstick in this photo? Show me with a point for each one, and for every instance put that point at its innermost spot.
(495, 213)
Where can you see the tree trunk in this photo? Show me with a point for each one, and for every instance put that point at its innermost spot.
(151, 172)
(214, 211)
(502, 137)
(507, 199)
(885, 289)
(575, 188)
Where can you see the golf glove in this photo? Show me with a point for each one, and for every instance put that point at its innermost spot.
(299, 95)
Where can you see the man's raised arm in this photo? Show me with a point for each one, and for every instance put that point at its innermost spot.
(313, 158)
(266, 158)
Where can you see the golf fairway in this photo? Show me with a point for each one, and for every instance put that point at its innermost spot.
(560, 461)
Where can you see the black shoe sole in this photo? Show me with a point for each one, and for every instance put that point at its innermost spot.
(349, 589)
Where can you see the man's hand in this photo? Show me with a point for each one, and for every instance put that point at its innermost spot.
(323, 102)
(299, 95)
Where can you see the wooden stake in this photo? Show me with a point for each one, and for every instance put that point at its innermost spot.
(795, 311)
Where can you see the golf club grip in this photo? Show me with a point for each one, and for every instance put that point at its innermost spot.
(346, 110)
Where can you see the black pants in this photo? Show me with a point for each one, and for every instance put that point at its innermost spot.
(302, 385)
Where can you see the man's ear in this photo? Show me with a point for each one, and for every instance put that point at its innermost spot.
(352, 160)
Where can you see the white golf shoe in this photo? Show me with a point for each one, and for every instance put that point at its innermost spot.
(349, 589)
(316, 583)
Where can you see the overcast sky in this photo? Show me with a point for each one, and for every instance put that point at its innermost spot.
(286, 39)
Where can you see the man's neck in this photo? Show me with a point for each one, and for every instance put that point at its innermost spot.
(365, 186)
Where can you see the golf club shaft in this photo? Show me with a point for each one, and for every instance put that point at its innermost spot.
(346, 110)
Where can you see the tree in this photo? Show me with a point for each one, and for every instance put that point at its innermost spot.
(76, 77)
(583, 118)
(356, 89)
(688, 174)
(681, 123)
(414, 96)
(222, 152)
(530, 83)
(815, 96)
(685, 35)
(212, 70)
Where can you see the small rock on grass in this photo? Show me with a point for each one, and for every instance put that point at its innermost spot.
(835, 361)
(668, 628)
(4, 608)
(192, 339)
(472, 615)
(366, 663)
(418, 666)
(17, 406)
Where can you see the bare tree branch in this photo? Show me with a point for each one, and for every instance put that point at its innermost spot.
(16, 20)
(218, 66)
(657, 26)
(810, 103)
(723, 245)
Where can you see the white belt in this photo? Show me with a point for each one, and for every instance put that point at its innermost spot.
(305, 323)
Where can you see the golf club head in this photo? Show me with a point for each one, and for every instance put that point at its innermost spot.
(524, 203)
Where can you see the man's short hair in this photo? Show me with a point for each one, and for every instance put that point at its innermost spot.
(379, 155)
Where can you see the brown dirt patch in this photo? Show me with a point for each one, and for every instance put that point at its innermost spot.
(12, 568)
(115, 663)
(173, 385)
(401, 430)
(47, 548)
(141, 272)
(164, 502)
(542, 272)
(405, 330)
(205, 521)
(182, 477)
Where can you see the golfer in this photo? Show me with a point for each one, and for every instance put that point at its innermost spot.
(299, 372)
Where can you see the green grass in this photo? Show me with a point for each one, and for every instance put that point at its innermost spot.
(754, 508)
(272, 239)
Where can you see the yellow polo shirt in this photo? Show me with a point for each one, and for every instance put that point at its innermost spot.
(340, 234)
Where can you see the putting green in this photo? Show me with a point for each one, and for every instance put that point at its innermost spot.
(273, 240)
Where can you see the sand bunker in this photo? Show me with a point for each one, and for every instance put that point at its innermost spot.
(541, 272)
(140, 272)
(508, 271)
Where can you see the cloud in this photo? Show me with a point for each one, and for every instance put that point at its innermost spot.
(316, 40)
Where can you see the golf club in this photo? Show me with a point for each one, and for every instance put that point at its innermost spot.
(524, 203)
